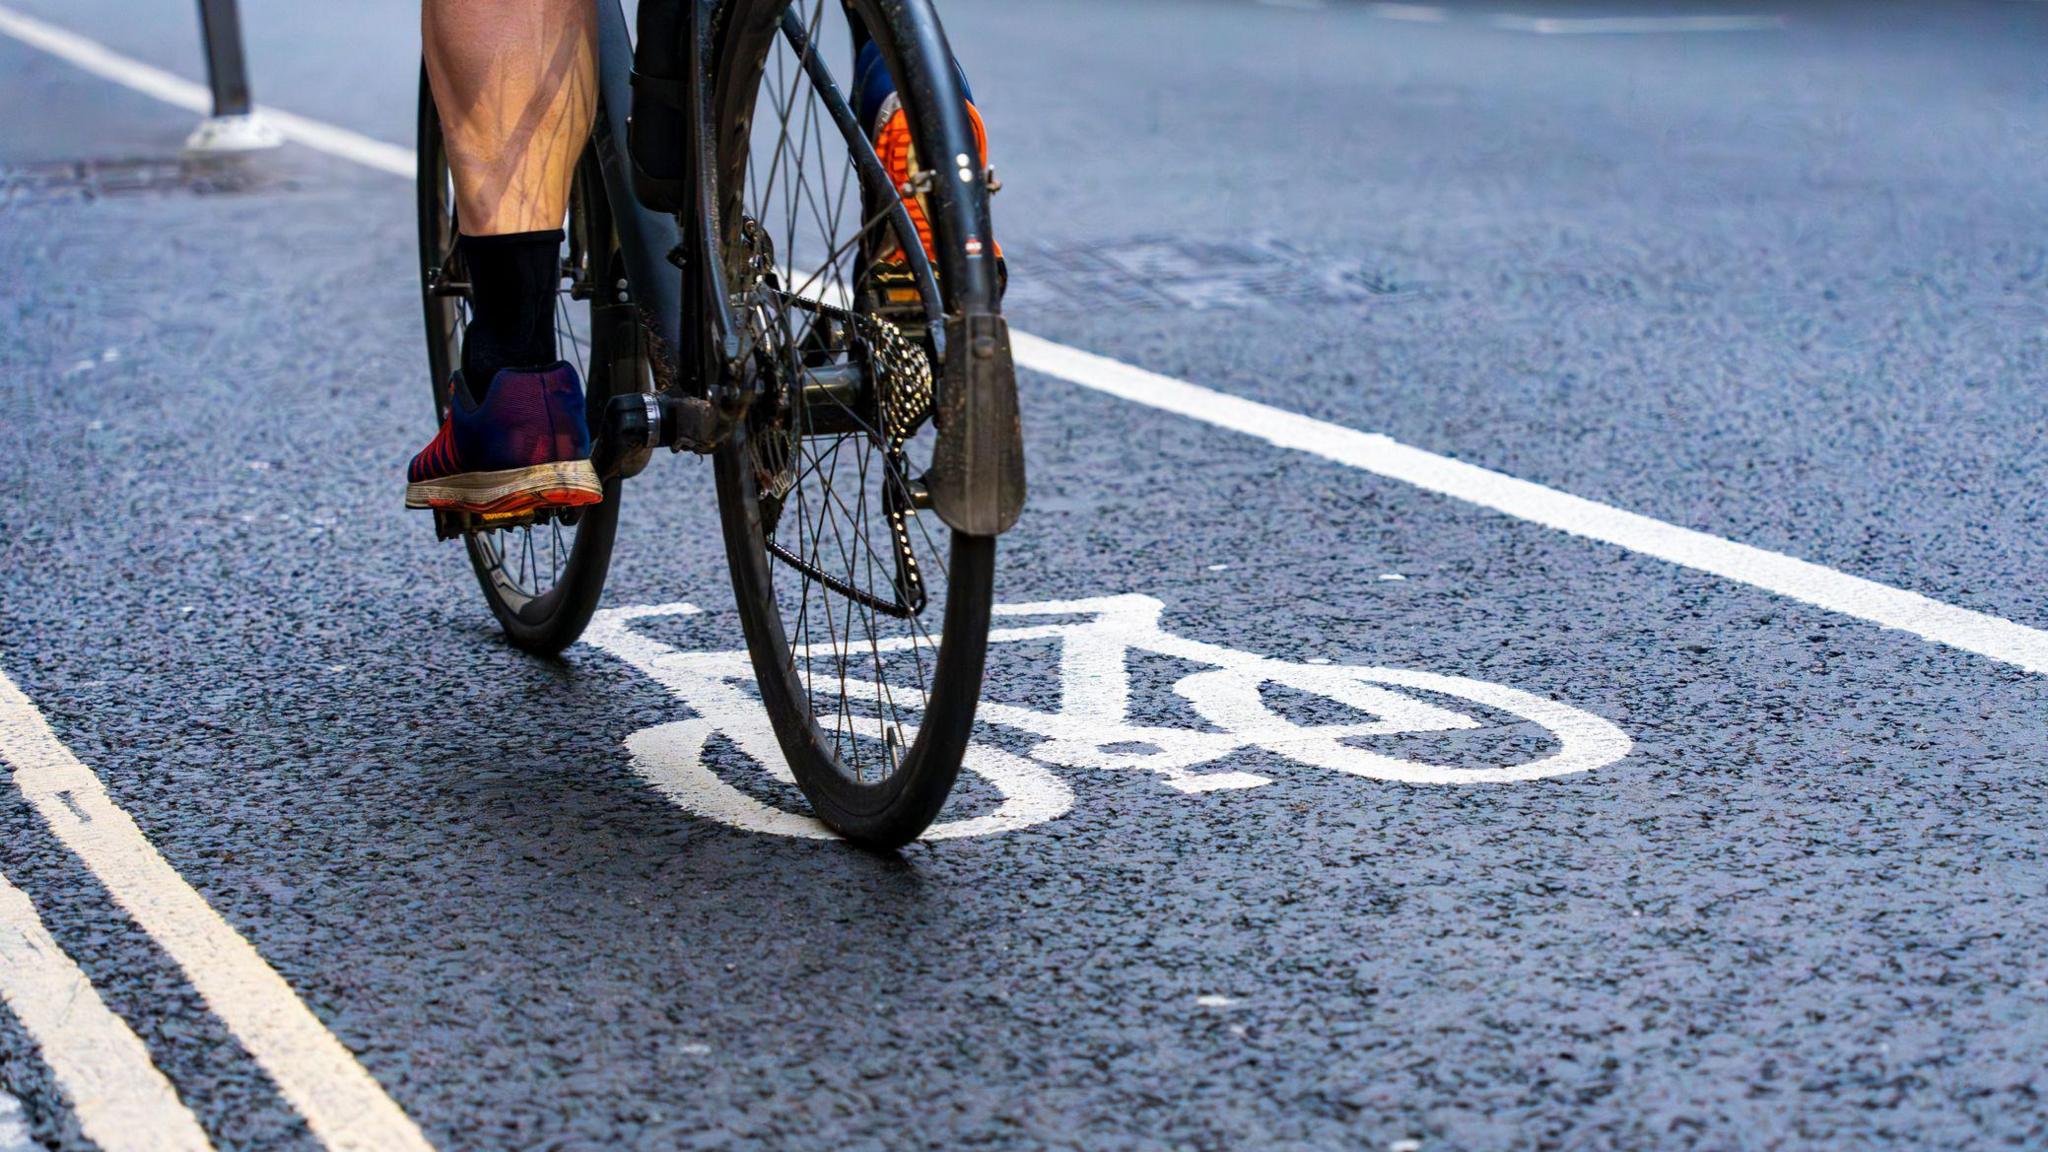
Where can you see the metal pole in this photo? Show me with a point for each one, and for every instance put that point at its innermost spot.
(223, 28)
(234, 125)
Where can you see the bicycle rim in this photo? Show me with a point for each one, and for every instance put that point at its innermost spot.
(866, 619)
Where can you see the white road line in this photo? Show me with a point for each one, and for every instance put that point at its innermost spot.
(1800, 580)
(1412, 13)
(179, 92)
(342, 1105)
(1634, 25)
(122, 1101)
(13, 1128)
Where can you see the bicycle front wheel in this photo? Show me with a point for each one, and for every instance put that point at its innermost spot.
(865, 616)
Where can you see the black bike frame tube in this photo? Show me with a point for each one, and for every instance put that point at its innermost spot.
(959, 191)
(720, 349)
(646, 237)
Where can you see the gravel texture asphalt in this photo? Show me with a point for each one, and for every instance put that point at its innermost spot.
(1786, 286)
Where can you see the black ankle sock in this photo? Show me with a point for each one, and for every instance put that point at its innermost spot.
(513, 279)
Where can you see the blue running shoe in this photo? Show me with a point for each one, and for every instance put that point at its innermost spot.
(525, 446)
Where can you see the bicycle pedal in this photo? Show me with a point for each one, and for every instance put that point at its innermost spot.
(530, 518)
(897, 298)
(450, 525)
(895, 289)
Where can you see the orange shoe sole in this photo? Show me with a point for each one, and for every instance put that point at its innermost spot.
(899, 159)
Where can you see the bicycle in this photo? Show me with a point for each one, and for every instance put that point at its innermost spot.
(767, 302)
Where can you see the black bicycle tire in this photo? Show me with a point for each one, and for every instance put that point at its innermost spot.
(897, 809)
(548, 624)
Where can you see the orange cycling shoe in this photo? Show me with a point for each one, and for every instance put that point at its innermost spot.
(899, 159)
(879, 107)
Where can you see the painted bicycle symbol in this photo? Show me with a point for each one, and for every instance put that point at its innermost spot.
(1092, 727)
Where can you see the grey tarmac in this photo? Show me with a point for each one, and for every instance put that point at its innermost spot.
(1786, 285)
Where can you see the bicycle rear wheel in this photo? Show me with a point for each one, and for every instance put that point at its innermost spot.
(840, 573)
(542, 574)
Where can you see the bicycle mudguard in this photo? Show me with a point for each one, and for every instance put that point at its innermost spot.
(977, 475)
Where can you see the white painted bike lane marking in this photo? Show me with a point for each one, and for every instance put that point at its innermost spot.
(122, 1101)
(1635, 25)
(670, 757)
(342, 1105)
(1788, 576)
(1409, 13)
(175, 90)
(1802, 580)
(1092, 729)
(13, 1128)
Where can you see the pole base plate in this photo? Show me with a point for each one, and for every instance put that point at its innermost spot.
(249, 132)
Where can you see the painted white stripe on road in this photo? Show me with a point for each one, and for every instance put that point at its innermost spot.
(1412, 13)
(122, 1102)
(1800, 580)
(1634, 25)
(341, 1104)
(179, 92)
(14, 1129)
(343, 143)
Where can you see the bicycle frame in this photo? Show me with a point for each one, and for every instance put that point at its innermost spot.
(652, 300)
(645, 236)
(672, 271)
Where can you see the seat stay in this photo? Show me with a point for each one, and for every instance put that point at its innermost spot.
(646, 237)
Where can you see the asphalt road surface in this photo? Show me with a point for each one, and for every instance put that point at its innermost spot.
(1655, 848)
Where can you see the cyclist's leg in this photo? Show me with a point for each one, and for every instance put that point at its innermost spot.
(516, 83)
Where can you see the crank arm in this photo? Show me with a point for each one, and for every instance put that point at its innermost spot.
(639, 421)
